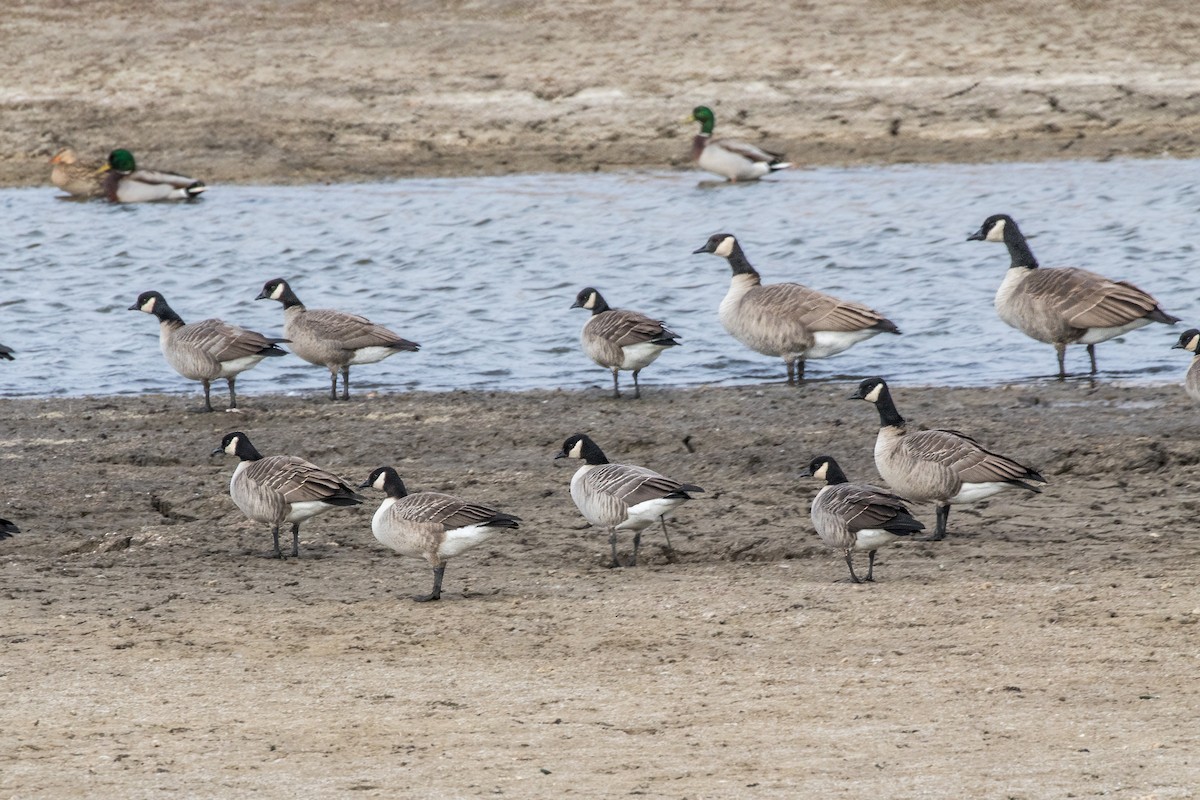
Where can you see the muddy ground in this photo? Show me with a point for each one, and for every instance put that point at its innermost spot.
(1046, 649)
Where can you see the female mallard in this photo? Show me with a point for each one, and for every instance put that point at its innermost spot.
(125, 183)
(729, 158)
(75, 177)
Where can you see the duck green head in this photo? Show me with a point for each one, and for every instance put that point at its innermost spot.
(121, 161)
(704, 115)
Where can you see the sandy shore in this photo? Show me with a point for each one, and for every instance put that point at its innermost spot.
(1046, 649)
(301, 91)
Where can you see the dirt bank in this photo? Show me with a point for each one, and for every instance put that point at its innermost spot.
(1047, 649)
(307, 91)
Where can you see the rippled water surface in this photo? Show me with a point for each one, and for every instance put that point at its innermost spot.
(482, 271)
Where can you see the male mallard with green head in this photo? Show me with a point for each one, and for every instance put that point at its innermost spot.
(729, 158)
(125, 183)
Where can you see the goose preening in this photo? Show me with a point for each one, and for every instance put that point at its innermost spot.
(206, 350)
(430, 525)
(75, 177)
(621, 497)
(332, 339)
(787, 319)
(6, 353)
(280, 489)
(7, 529)
(943, 467)
(1064, 305)
(1190, 340)
(123, 182)
(733, 160)
(619, 339)
(856, 516)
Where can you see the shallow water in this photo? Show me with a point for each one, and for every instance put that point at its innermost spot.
(482, 272)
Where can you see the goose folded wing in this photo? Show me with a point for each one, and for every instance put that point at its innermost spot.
(624, 328)
(634, 485)
(868, 507)
(297, 480)
(972, 461)
(445, 510)
(1086, 300)
(352, 331)
(223, 341)
(817, 311)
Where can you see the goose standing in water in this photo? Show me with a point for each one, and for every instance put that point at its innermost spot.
(207, 350)
(855, 516)
(431, 525)
(123, 182)
(621, 340)
(787, 319)
(733, 160)
(943, 467)
(1064, 305)
(281, 489)
(332, 339)
(621, 497)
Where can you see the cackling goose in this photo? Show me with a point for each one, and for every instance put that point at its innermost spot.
(430, 525)
(123, 182)
(1190, 340)
(1064, 305)
(856, 516)
(206, 350)
(729, 158)
(621, 497)
(332, 339)
(942, 467)
(279, 489)
(787, 319)
(621, 340)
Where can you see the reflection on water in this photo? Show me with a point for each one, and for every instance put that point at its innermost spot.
(482, 271)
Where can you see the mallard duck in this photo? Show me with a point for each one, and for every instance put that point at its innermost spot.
(125, 183)
(75, 177)
(729, 158)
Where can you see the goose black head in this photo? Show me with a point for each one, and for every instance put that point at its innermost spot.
(719, 244)
(992, 229)
(870, 390)
(824, 468)
(582, 447)
(386, 480)
(238, 444)
(149, 302)
(1188, 340)
(590, 299)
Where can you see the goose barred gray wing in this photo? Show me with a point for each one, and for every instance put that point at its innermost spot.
(813, 310)
(353, 332)
(1087, 300)
(619, 487)
(299, 481)
(443, 509)
(223, 341)
(861, 507)
(970, 460)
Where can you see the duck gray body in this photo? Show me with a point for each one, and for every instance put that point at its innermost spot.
(620, 339)
(939, 466)
(207, 350)
(431, 525)
(1064, 305)
(621, 497)
(731, 159)
(282, 489)
(787, 319)
(333, 339)
(856, 517)
(123, 182)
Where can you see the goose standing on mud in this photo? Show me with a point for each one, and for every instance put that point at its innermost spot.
(943, 467)
(621, 340)
(1064, 305)
(855, 516)
(75, 177)
(280, 489)
(123, 182)
(787, 319)
(733, 160)
(332, 339)
(621, 497)
(206, 350)
(430, 525)
(1190, 340)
